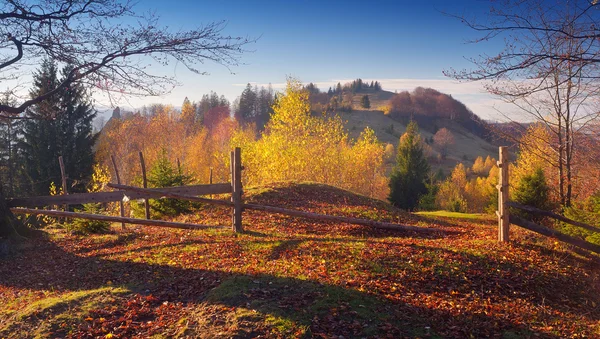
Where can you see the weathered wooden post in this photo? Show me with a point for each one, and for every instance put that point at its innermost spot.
(145, 184)
(210, 180)
(121, 205)
(503, 217)
(236, 189)
(63, 176)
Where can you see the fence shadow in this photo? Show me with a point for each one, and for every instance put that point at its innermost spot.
(324, 308)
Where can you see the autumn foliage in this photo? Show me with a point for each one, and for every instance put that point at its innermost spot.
(295, 146)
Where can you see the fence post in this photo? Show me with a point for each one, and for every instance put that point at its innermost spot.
(145, 184)
(210, 180)
(63, 176)
(503, 216)
(112, 158)
(236, 189)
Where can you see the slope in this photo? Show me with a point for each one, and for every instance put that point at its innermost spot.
(289, 277)
(466, 149)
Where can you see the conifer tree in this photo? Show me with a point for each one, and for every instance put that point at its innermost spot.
(9, 153)
(409, 176)
(60, 125)
(365, 102)
(532, 190)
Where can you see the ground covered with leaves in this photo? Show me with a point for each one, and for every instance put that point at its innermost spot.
(290, 277)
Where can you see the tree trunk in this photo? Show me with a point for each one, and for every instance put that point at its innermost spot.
(9, 225)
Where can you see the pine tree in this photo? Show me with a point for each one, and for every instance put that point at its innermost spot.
(164, 174)
(9, 153)
(365, 102)
(532, 190)
(409, 176)
(60, 125)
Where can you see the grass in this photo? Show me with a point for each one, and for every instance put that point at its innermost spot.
(294, 278)
(456, 215)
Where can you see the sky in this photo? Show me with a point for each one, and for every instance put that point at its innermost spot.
(402, 44)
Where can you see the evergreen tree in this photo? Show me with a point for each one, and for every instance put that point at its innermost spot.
(164, 174)
(246, 110)
(9, 153)
(365, 102)
(60, 125)
(409, 176)
(532, 190)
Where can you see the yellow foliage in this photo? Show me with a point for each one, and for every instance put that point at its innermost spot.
(100, 177)
(295, 146)
(534, 152)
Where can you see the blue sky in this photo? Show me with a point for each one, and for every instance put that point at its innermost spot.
(403, 44)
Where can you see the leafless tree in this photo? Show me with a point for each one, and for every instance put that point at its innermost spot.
(109, 46)
(549, 69)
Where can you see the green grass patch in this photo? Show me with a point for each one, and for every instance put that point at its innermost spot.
(457, 215)
(52, 303)
(290, 305)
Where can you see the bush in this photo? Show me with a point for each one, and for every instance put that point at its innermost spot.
(427, 201)
(457, 205)
(588, 212)
(85, 226)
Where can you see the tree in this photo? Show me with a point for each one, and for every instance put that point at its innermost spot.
(532, 190)
(443, 139)
(188, 116)
(548, 70)
(163, 174)
(58, 126)
(365, 103)
(10, 161)
(408, 179)
(105, 52)
(106, 55)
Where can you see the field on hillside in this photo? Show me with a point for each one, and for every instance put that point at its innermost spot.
(466, 149)
(289, 277)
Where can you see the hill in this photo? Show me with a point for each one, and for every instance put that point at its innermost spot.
(289, 277)
(469, 143)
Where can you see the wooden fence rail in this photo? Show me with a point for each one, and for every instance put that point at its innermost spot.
(108, 218)
(184, 193)
(100, 197)
(505, 219)
(533, 210)
(279, 210)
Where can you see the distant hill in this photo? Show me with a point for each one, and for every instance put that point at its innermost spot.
(389, 113)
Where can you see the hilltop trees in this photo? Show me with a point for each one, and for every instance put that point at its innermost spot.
(408, 179)
(253, 106)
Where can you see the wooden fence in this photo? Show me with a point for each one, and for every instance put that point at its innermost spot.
(191, 193)
(505, 219)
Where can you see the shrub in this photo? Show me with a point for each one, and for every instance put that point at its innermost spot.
(85, 226)
(163, 174)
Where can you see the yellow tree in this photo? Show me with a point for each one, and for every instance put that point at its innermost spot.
(188, 116)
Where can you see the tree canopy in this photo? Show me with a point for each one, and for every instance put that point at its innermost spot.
(107, 43)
